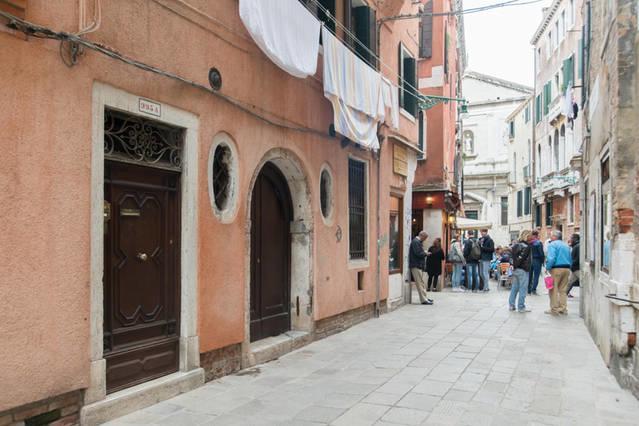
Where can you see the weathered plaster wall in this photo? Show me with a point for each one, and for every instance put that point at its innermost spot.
(612, 111)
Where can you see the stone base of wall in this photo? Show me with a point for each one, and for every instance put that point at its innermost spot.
(56, 411)
(340, 322)
(626, 370)
(221, 362)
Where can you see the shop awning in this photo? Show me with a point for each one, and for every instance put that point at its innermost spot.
(466, 223)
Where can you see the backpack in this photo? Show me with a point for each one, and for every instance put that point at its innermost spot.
(519, 256)
(475, 250)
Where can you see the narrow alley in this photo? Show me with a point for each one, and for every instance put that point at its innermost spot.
(466, 360)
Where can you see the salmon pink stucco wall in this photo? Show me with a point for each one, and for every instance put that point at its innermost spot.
(44, 223)
(45, 201)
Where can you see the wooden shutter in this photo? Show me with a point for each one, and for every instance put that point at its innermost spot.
(520, 203)
(400, 73)
(410, 100)
(426, 32)
(366, 32)
(14, 7)
(348, 22)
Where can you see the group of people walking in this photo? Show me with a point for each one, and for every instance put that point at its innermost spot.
(473, 258)
(561, 264)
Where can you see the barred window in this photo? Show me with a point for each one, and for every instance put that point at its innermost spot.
(357, 209)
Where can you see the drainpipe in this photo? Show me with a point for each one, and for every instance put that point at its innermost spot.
(378, 280)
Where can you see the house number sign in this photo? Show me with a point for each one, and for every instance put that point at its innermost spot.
(149, 107)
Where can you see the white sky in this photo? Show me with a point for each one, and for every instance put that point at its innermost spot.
(498, 40)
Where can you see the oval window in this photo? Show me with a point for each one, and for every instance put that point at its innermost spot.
(221, 176)
(326, 193)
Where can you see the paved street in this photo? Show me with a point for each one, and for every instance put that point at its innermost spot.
(466, 360)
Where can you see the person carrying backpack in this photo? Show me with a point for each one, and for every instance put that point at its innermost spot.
(472, 254)
(487, 246)
(522, 261)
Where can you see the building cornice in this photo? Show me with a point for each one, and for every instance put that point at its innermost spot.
(496, 81)
(549, 14)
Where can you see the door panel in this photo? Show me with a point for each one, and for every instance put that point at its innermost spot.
(141, 274)
(271, 214)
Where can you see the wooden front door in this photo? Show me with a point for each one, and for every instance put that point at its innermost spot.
(141, 273)
(271, 216)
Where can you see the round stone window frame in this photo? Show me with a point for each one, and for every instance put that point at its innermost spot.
(226, 215)
(328, 219)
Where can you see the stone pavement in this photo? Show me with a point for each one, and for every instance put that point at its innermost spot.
(466, 360)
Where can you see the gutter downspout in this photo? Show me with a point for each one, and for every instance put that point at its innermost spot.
(378, 280)
(533, 162)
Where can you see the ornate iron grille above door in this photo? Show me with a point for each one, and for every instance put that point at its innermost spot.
(133, 139)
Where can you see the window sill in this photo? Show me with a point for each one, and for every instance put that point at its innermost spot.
(394, 271)
(358, 264)
(407, 115)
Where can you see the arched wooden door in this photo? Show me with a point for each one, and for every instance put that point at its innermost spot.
(271, 216)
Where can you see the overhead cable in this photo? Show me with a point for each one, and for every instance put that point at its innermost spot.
(38, 31)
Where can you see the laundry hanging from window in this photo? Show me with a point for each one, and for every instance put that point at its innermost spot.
(286, 32)
(355, 90)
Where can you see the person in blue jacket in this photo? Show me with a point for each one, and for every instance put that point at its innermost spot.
(538, 257)
(558, 262)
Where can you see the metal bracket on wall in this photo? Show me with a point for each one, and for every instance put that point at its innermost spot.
(614, 297)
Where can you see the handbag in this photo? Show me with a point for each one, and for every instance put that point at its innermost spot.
(550, 283)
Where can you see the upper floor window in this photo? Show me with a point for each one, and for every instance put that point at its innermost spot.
(407, 81)
(363, 24)
(511, 129)
(562, 25)
(324, 10)
(549, 46)
(426, 32)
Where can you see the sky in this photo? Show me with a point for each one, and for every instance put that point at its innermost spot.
(498, 40)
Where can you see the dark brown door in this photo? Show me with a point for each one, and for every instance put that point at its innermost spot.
(271, 215)
(141, 270)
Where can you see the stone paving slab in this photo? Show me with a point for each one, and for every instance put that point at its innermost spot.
(466, 360)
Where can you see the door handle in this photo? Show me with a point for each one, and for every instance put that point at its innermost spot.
(142, 256)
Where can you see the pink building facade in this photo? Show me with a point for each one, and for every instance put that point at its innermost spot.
(175, 207)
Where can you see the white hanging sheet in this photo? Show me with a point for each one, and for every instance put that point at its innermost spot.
(285, 31)
(391, 102)
(355, 90)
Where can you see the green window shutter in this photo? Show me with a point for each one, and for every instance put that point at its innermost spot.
(409, 93)
(568, 73)
(366, 31)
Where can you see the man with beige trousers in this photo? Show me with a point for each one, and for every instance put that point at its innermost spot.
(558, 263)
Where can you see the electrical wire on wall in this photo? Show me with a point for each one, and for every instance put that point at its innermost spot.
(37, 31)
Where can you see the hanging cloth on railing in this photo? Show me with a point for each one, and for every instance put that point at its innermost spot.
(285, 31)
(355, 90)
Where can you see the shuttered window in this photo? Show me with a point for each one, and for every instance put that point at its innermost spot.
(549, 213)
(426, 32)
(504, 210)
(520, 203)
(407, 81)
(568, 73)
(357, 209)
(538, 108)
(320, 11)
(547, 97)
(537, 215)
(527, 200)
(364, 27)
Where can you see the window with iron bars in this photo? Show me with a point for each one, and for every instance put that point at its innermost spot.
(357, 209)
